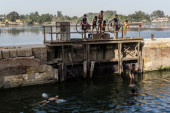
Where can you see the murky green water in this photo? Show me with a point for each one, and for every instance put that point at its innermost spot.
(106, 93)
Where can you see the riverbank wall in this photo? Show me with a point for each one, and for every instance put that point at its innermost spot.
(156, 54)
(24, 65)
(28, 65)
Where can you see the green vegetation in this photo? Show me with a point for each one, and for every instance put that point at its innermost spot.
(36, 18)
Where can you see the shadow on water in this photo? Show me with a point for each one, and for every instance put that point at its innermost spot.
(105, 93)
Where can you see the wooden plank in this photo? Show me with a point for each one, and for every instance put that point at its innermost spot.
(90, 42)
(92, 69)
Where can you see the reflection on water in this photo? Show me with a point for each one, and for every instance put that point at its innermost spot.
(102, 94)
(24, 35)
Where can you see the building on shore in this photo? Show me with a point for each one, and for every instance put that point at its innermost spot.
(163, 19)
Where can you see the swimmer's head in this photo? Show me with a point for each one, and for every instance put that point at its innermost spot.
(133, 91)
(44, 95)
(56, 96)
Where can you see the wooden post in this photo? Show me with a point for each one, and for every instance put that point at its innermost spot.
(114, 30)
(51, 34)
(142, 64)
(85, 69)
(62, 72)
(139, 56)
(88, 56)
(122, 31)
(139, 30)
(63, 54)
(44, 35)
(56, 33)
(92, 68)
(92, 33)
(120, 66)
(56, 75)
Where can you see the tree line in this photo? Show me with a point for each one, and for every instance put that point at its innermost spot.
(36, 18)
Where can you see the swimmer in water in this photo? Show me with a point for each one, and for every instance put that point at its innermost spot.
(131, 75)
(133, 92)
(47, 99)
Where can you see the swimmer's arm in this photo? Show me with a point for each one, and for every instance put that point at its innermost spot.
(45, 103)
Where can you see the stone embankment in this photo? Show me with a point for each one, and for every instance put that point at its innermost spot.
(24, 65)
(156, 54)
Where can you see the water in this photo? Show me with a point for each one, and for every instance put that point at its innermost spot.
(106, 93)
(24, 35)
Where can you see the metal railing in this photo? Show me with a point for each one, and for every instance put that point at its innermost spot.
(91, 32)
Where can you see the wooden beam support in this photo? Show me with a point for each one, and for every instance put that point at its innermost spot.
(139, 57)
(120, 61)
(92, 69)
(44, 35)
(85, 69)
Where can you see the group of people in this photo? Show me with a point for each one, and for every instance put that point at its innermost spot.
(100, 25)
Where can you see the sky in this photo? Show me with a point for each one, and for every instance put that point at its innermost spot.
(79, 7)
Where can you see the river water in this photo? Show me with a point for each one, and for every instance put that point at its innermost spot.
(105, 93)
(24, 35)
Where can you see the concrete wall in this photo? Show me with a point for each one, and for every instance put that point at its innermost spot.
(156, 54)
(22, 66)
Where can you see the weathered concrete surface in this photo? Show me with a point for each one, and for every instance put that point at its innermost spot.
(24, 65)
(156, 54)
(24, 71)
(5, 53)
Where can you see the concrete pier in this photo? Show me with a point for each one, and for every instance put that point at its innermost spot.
(62, 59)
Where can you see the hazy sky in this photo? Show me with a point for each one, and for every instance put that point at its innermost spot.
(79, 7)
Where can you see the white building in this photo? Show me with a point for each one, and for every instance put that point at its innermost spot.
(163, 19)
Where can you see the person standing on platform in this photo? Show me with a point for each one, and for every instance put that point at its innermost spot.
(116, 26)
(84, 25)
(103, 26)
(100, 19)
(125, 29)
(95, 23)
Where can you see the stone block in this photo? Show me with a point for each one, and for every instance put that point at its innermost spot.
(25, 52)
(12, 53)
(5, 53)
(40, 53)
(39, 50)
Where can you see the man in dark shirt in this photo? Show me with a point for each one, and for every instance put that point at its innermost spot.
(116, 26)
(84, 23)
